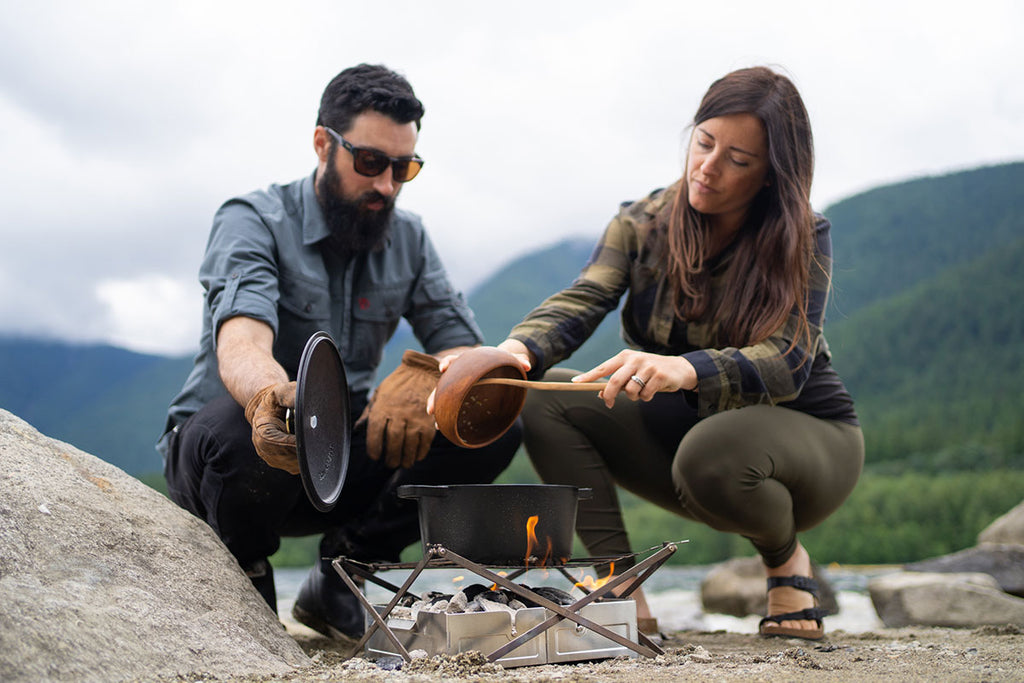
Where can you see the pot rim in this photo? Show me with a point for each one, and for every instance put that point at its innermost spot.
(417, 490)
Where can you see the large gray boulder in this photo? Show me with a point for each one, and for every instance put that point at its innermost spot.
(1008, 529)
(1004, 563)
(934, 599)
(104, 579)
(738, 586)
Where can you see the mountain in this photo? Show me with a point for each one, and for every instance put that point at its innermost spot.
(891, 238)
(104, 400)
(925, 327)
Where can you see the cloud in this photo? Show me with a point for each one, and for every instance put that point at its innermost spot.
(123, 125)
(136, 308)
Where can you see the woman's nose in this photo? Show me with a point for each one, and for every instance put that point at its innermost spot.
(709, 166)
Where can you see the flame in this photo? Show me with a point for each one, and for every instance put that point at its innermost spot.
(533, 545)
(592, 584)
(531, 538)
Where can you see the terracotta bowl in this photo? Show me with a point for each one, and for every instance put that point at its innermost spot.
(474, 416)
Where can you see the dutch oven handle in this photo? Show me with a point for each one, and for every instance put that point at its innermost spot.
(422, 491)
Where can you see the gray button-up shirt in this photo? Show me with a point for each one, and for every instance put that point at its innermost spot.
(268, 259)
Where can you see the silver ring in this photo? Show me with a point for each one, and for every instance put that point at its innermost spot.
(636, 378)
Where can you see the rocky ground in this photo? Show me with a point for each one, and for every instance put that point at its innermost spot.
(991, 653)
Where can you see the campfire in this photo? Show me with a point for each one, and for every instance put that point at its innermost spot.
(513, 624)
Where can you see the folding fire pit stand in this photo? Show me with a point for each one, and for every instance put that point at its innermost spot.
(437, 556)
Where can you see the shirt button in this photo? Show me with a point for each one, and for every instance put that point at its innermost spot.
(309, 308)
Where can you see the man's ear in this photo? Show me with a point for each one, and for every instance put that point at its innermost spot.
(321, 143)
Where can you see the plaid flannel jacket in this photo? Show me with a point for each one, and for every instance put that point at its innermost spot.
(628, 260)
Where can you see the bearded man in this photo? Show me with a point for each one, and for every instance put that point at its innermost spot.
(327, 252)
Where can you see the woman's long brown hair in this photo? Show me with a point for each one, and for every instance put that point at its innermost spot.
(769, 271)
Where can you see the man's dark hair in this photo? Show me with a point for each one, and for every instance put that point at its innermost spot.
(368, 87)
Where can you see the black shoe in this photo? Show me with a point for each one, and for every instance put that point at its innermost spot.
(262, 576)
(325, 604)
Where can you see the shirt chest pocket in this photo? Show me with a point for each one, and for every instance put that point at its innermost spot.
(375, 315)
(304, 308)
(379, 304)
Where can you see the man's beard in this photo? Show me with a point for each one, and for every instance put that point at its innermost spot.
(353, 226)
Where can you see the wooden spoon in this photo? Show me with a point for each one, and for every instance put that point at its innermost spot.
(544, 386)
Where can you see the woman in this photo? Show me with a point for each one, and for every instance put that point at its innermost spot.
(734, 416)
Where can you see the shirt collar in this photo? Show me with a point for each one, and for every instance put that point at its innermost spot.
(314, 228)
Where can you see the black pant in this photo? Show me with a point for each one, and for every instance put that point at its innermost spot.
(213, 471)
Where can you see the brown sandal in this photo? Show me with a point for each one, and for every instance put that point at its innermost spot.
(815, 613)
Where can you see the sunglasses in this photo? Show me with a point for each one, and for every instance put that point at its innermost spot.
(372, 162)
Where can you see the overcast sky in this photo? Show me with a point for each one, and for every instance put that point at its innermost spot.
(124, 125)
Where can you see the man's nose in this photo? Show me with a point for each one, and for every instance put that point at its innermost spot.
(385, 183)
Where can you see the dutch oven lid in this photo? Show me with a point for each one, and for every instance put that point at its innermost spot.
(322, 421)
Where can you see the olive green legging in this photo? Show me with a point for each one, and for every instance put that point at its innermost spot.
(764, 472)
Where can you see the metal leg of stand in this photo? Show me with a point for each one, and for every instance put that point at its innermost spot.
(645, 645)
(380, 620)
(517, 573)
(642, 637)
(368, 575)
(563, 612)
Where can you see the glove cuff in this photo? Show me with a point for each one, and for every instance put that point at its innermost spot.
(421, 361)
(254, 403)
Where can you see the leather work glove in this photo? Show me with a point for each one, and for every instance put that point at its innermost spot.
(397, 423)
(266, 413)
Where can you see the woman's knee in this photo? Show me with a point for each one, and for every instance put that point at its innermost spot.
(717, 467)
(707, 456)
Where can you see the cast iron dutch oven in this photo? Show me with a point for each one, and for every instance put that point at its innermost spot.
(487, 523)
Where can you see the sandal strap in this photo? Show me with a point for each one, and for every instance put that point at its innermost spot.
(809, 614)
(804, 583)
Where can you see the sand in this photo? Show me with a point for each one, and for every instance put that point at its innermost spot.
(989, 653)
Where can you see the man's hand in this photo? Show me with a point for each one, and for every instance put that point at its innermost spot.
(397, 423)
(266, 413)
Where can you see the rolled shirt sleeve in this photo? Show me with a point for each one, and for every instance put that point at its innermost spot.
(239, 273)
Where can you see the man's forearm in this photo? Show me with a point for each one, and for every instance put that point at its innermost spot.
(245, 358)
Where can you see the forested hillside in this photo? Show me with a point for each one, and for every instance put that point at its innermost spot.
(891, 238)
(938, 371)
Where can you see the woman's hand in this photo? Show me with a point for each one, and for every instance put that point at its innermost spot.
(653, 373)
(516, 348)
